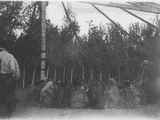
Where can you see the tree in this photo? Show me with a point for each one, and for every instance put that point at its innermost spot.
(28, 45)
(10, 21)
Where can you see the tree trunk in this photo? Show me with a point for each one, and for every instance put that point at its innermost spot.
(83, 76)
(100, 76)
(119, 75)
(141, 78)
(24, 76)
(72, 70)
(91, 74)
(109, 76)
(64, 74)
(55, 74)
(33, 76)
(47, 75)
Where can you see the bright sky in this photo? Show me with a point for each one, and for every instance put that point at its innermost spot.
(84, 13)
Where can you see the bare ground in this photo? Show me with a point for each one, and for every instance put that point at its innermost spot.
(30, 111)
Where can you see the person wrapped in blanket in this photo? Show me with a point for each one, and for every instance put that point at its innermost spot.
(9, 74)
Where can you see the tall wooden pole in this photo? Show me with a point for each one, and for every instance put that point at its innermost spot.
(131, 13)
(106, 16)
(43, 41)
(69, 19)
(130, 7)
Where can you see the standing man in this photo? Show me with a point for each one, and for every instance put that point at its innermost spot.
(9, 74)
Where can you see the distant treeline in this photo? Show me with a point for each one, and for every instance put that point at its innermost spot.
(104, 52)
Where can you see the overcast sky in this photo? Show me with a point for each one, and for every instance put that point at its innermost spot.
(84, 13)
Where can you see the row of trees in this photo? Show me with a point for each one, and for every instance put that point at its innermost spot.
(104, 52)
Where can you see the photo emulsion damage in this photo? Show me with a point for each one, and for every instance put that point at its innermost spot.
(80, 60)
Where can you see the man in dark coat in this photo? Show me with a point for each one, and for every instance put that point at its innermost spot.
(9, 74)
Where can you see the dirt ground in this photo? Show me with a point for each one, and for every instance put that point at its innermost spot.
(29, 111)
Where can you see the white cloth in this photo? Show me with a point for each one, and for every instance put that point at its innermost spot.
(8, 64)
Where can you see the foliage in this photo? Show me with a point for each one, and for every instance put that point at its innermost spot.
(104, 50)
(9, 21)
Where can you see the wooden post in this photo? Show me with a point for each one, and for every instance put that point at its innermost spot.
(43, 41)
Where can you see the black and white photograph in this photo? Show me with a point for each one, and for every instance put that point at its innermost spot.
(80, 60)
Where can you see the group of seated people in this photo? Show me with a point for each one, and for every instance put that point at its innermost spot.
(84, 95)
